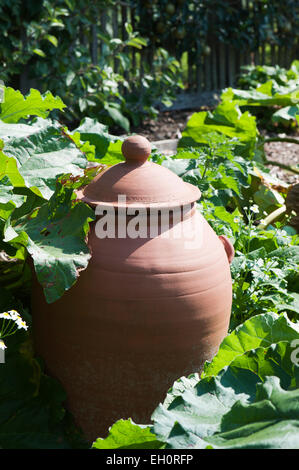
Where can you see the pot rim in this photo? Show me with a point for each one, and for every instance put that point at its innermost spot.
(195, 194)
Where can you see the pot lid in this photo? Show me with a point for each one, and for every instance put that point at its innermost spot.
(138, 182)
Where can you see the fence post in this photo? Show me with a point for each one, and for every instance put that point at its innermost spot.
(94, 44)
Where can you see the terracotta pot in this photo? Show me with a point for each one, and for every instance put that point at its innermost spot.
(146, 310)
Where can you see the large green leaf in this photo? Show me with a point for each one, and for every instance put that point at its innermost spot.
(54, 236)
(7, 195)
(276, 360)
(180, 386)
(264, 95)
(107, 146)
(288, 113)
(8, 199)
(9, 168)
(183, 421)
(96, 134)
(115, 112)
(124, 434)
(271, 421)
(114, 154)
(181, 166)
(269, 94)
(15, 106)
(226, 119)
(40, 158)
(259, 331)
(247, 405)
(8, 131)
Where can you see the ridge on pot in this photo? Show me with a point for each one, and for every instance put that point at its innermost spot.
(147, 310)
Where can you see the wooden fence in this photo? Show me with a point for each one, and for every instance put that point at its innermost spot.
(203, 73)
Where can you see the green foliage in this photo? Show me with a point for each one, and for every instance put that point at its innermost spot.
(64, 46)
(259, 331)
(254, 75)
(239, 402)
(39, 174)
(266, 94)
(214, 167)
(39, 213)
(54, 236)
(106, 147)
(15, 106)
(43, 155)
(226, 120)
(266, 280)
(274, 102)
(124, 434)
(265, 266)
(233, 411)
(269, 88)
(159, 84)
(94, 86)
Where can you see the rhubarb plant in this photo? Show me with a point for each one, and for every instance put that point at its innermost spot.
(41, 165)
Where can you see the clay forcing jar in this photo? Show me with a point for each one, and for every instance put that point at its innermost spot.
(153, 304)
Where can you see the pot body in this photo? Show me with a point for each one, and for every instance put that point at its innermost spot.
(145, 312)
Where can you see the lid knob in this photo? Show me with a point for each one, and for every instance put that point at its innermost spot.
(136, 149)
